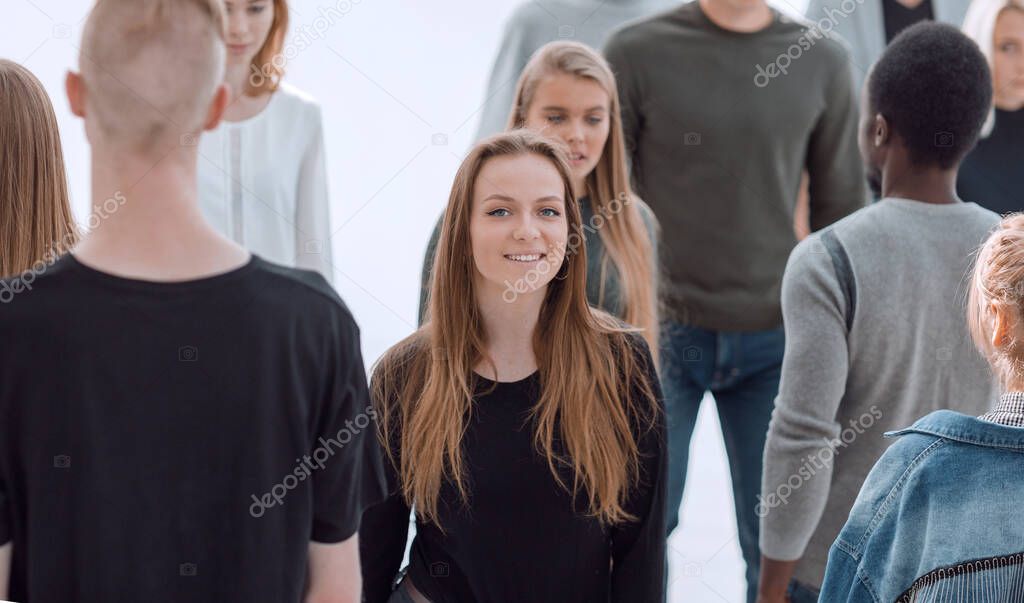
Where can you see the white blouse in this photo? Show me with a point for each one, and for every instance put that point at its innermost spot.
(263, 182)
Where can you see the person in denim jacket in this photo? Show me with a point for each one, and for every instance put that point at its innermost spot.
(938, 518)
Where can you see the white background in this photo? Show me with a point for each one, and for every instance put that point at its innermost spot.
(392, 74)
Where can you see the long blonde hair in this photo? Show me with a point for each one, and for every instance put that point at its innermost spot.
(36, 213)
(589, 373)
(999, 279)
(625, 236)
(980, 26)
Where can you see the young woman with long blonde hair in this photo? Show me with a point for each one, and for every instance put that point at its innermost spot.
(36, 224)
(568, 92)
(526, 431)
(262, 172)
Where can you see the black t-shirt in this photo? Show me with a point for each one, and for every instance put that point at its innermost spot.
(992, 175)
(520, 538)
(154, 436)
(898, 17)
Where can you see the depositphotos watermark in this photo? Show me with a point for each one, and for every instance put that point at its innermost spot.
(817, 30)
(23, 282)
(302, 39)
(529, 281)
(312, 462)
(814, 462)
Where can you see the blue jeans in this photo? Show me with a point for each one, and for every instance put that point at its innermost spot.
(742, 372)
(801, 593)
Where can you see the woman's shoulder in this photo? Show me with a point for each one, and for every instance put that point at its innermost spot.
(623, 339)
(405, 353)
(291, 101)
(647, 215)
(393, 369)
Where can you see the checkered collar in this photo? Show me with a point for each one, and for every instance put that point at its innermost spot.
(1009, 411)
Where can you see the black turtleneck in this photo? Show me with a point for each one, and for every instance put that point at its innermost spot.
(992, 175)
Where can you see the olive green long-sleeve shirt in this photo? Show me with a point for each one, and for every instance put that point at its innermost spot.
(720, 125)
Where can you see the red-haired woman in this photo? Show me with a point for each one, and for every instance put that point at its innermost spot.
(262, 175)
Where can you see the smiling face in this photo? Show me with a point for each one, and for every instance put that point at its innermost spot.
(574, 110)
(247, 27)
(1008, 60)
(517, 227)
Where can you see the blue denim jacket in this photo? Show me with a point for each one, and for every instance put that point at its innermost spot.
(949, 491)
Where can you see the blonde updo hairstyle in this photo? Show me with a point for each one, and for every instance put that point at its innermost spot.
(998, 282)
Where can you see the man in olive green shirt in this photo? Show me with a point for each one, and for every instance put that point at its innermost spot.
(724, 105)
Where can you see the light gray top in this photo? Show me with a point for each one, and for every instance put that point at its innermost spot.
(861, 24)
(537, 22)
(906, 353)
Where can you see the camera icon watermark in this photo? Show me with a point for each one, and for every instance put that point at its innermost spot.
(691, 139)
(439, 569)
(61, 31)
(314, 246)
(188, 569)
(62, 461)
(944, 139)
(691, 353)
(692, 569)
(188, 353)
(439, 140)
(188, 140)
(566, 31)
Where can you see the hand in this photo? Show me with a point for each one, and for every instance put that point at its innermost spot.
(774, 582)
(772, 598)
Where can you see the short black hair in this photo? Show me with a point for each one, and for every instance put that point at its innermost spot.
(934, 88)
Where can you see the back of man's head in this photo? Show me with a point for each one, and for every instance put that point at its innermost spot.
(933, 87)
(150, 70)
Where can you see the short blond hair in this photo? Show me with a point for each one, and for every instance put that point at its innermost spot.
(999, 279)
(151, 68)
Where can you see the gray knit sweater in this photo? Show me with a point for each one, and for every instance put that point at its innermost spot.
(897, 273)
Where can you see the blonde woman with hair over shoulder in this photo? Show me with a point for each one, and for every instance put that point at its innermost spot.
(533, 24)
(938, 516)
(35, 219)
(262, 172)
(992, 174)
(568, 92)
(527, 431)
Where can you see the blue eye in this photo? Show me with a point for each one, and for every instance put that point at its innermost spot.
(554, 212)
(555, 119)
(594, 120)
(494, 212)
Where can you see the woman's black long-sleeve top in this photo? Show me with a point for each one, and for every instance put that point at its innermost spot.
(522, 536)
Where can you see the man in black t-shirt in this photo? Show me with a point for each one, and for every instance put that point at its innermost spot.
(179, 420)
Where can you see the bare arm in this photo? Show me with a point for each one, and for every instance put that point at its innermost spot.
(775, 577)
(6, 552)
(334, 572)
